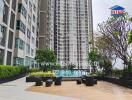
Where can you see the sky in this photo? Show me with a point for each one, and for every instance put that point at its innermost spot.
(101, 10)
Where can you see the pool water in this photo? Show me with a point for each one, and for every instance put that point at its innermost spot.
(70, 73)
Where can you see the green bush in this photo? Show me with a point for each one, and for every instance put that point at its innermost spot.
(117, 73)
(92, 74)
(11, 71)
(34, 70)
(42, 74)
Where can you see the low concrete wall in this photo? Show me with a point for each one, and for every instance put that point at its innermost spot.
(4, 80)
(122, 82)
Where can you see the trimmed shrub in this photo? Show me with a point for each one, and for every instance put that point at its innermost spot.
(34, 70)
(42, 74)
(11, 71)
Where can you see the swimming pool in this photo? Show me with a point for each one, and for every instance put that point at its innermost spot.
(70, 73)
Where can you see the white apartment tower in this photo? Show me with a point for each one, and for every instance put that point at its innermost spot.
(18, 25)
(73, 31)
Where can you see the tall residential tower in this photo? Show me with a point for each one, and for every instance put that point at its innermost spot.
(70, 23)
(73, 31)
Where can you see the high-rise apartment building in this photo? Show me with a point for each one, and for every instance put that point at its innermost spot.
(70, 23)
(19, 31)
(26, 32)
(46, 23)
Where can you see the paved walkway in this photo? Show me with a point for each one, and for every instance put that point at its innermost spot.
(15, 90)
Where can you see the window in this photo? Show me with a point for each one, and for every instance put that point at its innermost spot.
(19, 44)
(20, 26)
(3, 30)
(27, 61)
(10, 40)
(34, 18)
(34, 8)
(32, 52)
(30, 5)
(12, 21)
(33, 40)
(28, 49)
(33, 29)
(9, 56)
(5, 15)
(22, 10)
(28, 33)
(18, 61)
(19, 7)
(1, 56)
(14, 5)
(29, 19)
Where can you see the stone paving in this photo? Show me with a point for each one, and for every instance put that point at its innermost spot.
(101, 91)
(16, 90)
(20, 90)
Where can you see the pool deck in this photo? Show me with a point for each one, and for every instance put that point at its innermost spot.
(102, 91)
(20, 90)
(15, 90)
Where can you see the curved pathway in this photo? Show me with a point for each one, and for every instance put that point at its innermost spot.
(15, 90)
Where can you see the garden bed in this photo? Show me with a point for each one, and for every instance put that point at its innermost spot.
(10, 73)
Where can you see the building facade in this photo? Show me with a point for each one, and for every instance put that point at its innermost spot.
(18, 45)
(69, 26)
(46, 24)
(8, 20)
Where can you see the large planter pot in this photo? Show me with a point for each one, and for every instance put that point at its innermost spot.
(79, 82)
(58, 81)
(89, 81)
(48, 82)
(95, 81)
(83, 78)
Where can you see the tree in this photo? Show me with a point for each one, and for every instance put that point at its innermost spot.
(130, 34)
(115, 31)
(45, 56)
(106, 65)
(130, 37)
(92, 58)
(71, 66)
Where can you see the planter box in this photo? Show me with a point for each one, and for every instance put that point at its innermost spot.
(37, 80)
(4, 80)
(89, 81)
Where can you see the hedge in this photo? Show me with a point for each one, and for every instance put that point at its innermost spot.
(11, 71)
(34, 70)
(42, 74)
